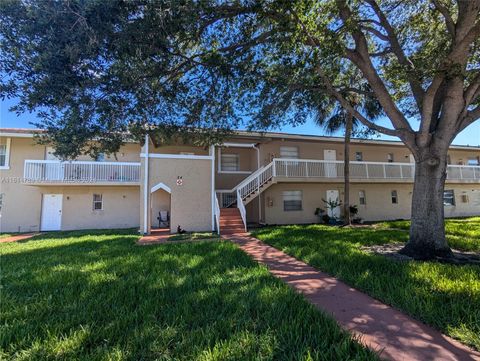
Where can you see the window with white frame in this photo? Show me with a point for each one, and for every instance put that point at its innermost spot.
(97, 202)
(361, 198)
(289, 152)
(390, 157)
(394, 197)
(4, 152)
(292, 201)
(230, 163)
(358, 156)
(473, 161)
(449, 197)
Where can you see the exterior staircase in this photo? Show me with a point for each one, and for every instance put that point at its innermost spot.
(234, 220)
(231, 221)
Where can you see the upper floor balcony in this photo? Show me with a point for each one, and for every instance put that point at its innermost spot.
(307, 169)
(54, 172)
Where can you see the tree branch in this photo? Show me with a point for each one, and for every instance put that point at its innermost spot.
(472, 116)
(428, 103)
(361, 59)
(446, 15)
(412, 77)
(355, 90)
(472, 90)
(336, 94)
(380, 53)
(375, 32)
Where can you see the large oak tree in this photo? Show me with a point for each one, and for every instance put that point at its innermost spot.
(96, 69)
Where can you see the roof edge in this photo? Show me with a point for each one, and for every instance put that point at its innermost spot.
(29, 133)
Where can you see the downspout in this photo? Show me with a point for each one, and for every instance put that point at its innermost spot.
(259, 196)
(212, 155)
(145, 188)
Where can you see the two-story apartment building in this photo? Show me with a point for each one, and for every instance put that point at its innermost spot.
(269, 178)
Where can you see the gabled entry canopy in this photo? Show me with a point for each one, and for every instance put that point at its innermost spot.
(161, 186)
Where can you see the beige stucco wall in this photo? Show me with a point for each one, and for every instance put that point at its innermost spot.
(191, 202)
(21, 204)
(120, 207)
(378, 201)
(177, 149)
(129, 152)
(21, 211)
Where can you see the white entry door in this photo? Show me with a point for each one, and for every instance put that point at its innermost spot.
(333, 195)
(51, 212)
(330, 168)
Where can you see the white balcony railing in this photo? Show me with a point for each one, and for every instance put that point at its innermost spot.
(309, 168)
(54, 171)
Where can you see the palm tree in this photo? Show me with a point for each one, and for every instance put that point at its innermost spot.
(333, 117)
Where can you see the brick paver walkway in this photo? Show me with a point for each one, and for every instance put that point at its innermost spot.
(156, 236)
(18, 237)
(391, 333)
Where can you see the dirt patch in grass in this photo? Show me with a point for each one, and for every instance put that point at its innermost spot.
(391, 250)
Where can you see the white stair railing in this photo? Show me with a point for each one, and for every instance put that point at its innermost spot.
(241, 208)
(255, 181)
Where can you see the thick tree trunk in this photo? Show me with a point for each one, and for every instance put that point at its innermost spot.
(427, 230)
(346, 170)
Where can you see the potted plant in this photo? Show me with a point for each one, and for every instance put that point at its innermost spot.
(320, 213)
(332, 205)
(353, 214)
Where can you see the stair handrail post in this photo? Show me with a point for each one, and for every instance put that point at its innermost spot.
(241, 208)
(274, 167)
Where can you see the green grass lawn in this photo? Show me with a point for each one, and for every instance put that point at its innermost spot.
(5, 235)
(98, 296)
(462, 233)
(444, 296)
(195, 236)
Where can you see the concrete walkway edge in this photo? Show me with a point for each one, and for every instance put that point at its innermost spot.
(18, 237)
(391, 333)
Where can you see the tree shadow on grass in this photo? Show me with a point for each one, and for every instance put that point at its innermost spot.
(98, 298)
(444, 296)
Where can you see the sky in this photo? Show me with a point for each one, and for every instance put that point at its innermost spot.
(470, 136)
